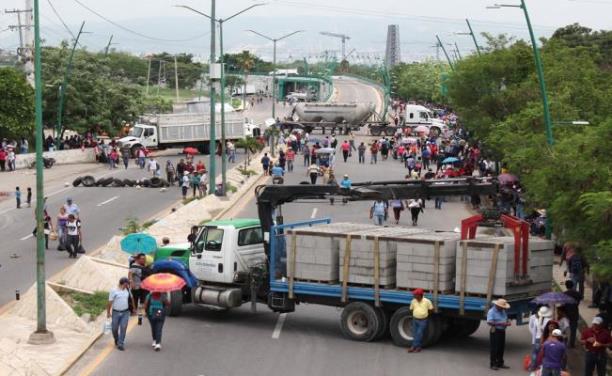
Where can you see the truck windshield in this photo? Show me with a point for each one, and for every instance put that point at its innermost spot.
(210, 239)
(135, 132)
(425, 115)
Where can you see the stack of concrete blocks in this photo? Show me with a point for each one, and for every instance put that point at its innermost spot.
(317, 247)
(415, 260)
(480, 255)
(361, 262)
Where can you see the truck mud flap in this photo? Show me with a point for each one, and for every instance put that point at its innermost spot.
(280, 302)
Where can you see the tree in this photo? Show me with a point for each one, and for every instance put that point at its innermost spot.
(16, 106)
(418, 81)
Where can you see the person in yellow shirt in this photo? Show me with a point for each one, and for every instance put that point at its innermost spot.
(421, 308)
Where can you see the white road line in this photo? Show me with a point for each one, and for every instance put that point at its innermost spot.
(279, 325)
(314, 213)
(107, 201)
(27, 237)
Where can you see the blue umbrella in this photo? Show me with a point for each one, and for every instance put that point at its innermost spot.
(551, 298)
(138, 243)
(450, 160)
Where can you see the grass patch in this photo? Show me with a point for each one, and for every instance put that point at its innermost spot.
(82, 303)
(230, 188)
(246, 172)
(132, 225)
(149, 223)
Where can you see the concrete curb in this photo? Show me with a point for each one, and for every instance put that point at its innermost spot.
(69, 364)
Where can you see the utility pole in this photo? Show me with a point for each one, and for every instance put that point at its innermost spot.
(212, 180)
(458, 52)
(110, 41)
(473, 37)
(452, 66)
(148, 77)
(41, 336)
(161, 62)
(176, 85)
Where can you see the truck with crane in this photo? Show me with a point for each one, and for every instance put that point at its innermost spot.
(249, 261)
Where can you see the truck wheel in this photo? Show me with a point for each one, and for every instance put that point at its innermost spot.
(375, 131)
(308, 129)
(134, 151)
(176, 303)
(359, 322)
(77, 181)
(435, 328)
(400, 327)
(88, 181)
(390, 131)
(463, 327)
(383, 317)
(204, 148)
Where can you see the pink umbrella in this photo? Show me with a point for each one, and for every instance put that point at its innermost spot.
(422, 129)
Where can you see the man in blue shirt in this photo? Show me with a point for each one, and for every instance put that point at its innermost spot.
(554, 354)
(346, 182)
(497, 319)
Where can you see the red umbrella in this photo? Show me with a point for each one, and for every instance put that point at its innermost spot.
(163, 282)
(190, 150)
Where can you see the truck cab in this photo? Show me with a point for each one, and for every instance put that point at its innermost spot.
(140, 135)
(419, 115)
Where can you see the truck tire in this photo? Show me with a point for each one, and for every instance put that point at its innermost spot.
(383, 317)
(461, 327)
(435, 328)
(359, 322)
(76, 182)
(400, 327)
(134, 150)
(155, 182)
(308, 129)
(376, 131)
(88, 181)
(176, 303)
(390, 131)
(204, 148)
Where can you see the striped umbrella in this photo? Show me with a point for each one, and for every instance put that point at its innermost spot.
(162, 282)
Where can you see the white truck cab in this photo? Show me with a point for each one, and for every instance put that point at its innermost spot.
(419, 115)
(142, 135)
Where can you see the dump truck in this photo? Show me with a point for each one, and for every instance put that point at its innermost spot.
(367, 271)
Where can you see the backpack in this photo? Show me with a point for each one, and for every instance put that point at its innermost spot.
(156, 307)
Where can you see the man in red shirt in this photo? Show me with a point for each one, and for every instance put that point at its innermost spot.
(596, 340)
(290, 155)
(346, 148)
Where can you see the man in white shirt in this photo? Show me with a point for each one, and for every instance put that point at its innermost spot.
(153, 166)
(119, 303)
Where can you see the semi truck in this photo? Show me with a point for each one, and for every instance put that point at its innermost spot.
(244, 261)
(328, 116)
(416, 115)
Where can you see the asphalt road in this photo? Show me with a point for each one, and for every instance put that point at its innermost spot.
(307, 341)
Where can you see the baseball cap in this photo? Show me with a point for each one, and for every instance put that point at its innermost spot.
(557, 333)
(418, 291)
(597, 320)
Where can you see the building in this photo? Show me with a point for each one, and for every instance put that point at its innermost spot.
(392, 52)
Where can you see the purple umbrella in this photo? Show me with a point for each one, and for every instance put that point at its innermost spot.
(507, 179)
(551, 298)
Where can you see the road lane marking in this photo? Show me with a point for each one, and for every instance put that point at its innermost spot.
(27, 237)
(107, 201)
(314, 213)
(279, 325)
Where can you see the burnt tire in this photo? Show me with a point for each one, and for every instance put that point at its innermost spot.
(105, 181)
(129, 182)
(400, 327)
(176, 303)
(88, 181)
(145, 183)
(76, 182)
(118, 183)
(155, 182)
(164, 183)
(359, 322)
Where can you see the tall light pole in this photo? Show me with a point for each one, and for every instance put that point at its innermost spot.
(41, 335)
(539, 69)
(222, 61)
(212, 148)
(274, 40)
(452, 66)
(471, 33)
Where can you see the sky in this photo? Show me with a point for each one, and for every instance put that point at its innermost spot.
(149, 26)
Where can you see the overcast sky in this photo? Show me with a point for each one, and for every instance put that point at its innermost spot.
(166, 28)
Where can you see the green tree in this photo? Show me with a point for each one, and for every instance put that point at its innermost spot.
(17, 104)
(418, 81)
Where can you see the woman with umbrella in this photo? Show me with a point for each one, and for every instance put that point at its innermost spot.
(157, 303)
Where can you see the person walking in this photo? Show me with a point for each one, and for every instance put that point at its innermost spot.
(351, 143)
(142, 155)
(170, 172)
(572, 312)
(74, 235)
(421, 308)
(398, 207)
(29, 197)
(416, 207)
(62, 236)
(72, 208)
(265, 164)
(577, 268)
(361, 153)
(156, 305)
(306, 154)
(231, 152)
(153, 166)
(537, 323)
(378, 212)
(497, 319)
(11, 158)
(137, 273)
(374, 153)
(290, 155)
(313, 173)
(346, 149)
(553, 354)
(119, 303)
(3, 156)
(185, 184)
(125, 155)
(596, 340)
(18, 197)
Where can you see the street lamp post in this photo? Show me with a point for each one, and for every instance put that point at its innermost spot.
(274, 40)
(471, 33)
(41, 335)
(222, 61)
(452, 66)
(539, 69)
(212, 149)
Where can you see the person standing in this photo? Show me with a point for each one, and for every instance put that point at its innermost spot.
(572, 312)
(596, 340)
(313, 173)
(125, 155)
(29, 197)
(290, 155)
(346, 149)
(170, 172)
(185, 184)
(351, 143)
(421, 308)
(137, 273)
(74, 235)
(62, 220)
(497, 319)
(231, 151)
(119, 304)
(537, 323)
(306, 154)
(142, 154)
(3, 156)
(361, 153)
(18, 197)
(416, 207)
(156, 305)
(577, 268)
(374, 153)
(378, 212)
(553, 354)
(11, 157)
(397, 206)
(153, 166)
(195, 183)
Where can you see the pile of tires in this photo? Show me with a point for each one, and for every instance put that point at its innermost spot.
(90, 181)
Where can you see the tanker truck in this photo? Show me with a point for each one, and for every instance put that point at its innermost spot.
(319, 115)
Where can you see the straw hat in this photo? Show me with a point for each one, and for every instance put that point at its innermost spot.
(544, 311)
(501, 303)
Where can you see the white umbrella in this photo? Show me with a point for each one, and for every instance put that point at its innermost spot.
(421, 129)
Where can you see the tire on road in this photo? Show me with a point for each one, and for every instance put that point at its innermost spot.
(118, 183)
(129, 182)
(461, 327)
(88, 181)
(376, 131)
(145, 183)
(76, 182)
(383, 317)
(105, 181)
(359, 322)
(176, 303)
(156, 182)
(400, 327)
(164, 183)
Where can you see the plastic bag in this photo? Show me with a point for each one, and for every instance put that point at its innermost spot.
(106, 327)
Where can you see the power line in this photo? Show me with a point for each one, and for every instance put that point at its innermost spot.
(136, 32)
(61, 20)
